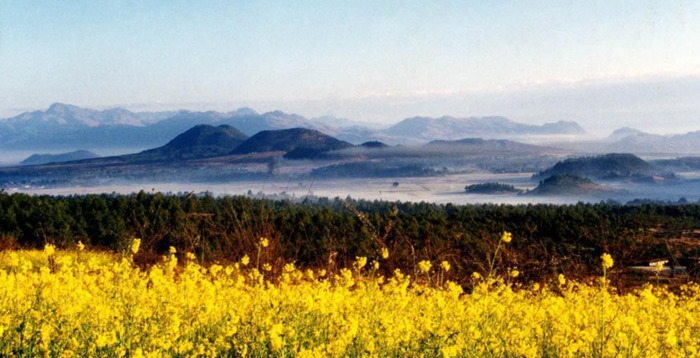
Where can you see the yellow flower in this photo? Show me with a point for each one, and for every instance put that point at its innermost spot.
(135, 245)
(190, 256)
(659, 266)
(360, 262)
(245, 260)
(49, 250)
(80, 246)
(445, 266)
(476, 275)
(375, 265)
(425, 266)
(514, 273)
(506, 237)
(264, 242)
(385, 253)
(267, 267)
(561, 279)
(172, 250)
(276, 341)
(607, 261)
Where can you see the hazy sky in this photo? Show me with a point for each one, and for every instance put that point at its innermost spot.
(602, 63)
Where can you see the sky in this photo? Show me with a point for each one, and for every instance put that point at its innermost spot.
(604, 64)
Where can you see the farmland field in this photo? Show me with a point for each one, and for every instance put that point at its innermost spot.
(80, 303)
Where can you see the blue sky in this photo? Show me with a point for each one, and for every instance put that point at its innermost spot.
(376, 61)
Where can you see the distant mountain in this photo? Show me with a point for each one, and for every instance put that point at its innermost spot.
(361, 134)
(61, 126)
(305, 141)
(252, 124)
(427, 128)
(608, 166)
(624, 132)
(37, 159)
(682, 164)
(568, 185)
(200, 141)
(635, 141)
(334, 122)
(483, 145)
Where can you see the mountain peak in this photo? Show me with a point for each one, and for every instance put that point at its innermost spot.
(61, 108)
(624, 132)
(244, 111)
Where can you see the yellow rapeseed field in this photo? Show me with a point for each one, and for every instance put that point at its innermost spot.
(75, 303)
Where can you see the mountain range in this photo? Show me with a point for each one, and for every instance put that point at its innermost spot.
(446, 127)
(61, 126)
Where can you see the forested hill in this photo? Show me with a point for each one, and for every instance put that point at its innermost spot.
(547, 239)
(200, 141)
(287, 140)
(608, 166)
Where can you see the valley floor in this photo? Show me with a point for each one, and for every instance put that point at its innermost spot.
(439, 189)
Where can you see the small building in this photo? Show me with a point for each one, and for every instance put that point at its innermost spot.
(654, 262)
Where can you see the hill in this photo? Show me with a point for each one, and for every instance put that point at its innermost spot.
(568, 185)
(305, 141)
(608, 166)
(374, 144)
(200, 141)
(37, 159)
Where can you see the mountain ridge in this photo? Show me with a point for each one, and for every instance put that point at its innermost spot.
(62, 125)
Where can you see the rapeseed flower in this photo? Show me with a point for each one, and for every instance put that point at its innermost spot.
(506, 237)
(135, 245)
(112, 308)
(425, 266)
(49, 249)
(445, 266)
(360, 262)
(607, 261)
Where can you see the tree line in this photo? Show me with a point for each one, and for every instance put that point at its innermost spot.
(547, 239)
